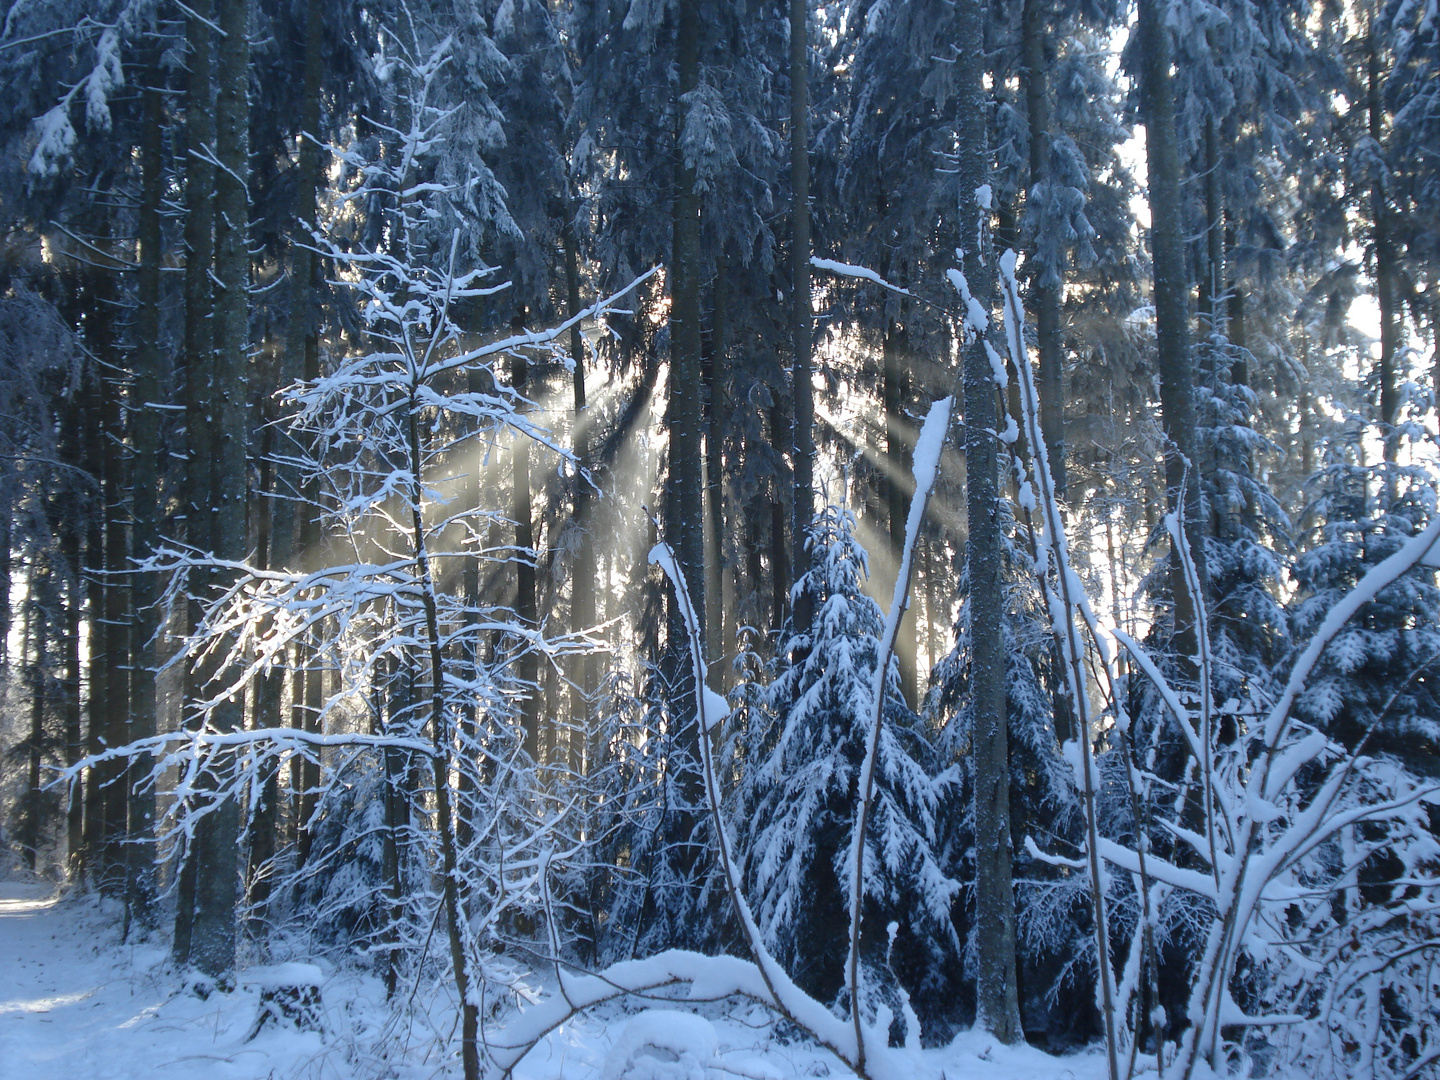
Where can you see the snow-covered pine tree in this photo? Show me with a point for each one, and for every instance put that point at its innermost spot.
(794, 812)
(1379, 684)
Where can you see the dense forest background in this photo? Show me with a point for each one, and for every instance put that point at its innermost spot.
(374, 373)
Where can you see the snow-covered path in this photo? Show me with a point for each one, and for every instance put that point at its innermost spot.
(76, 1003)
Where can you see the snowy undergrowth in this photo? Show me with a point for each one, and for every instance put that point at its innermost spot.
(77, 1001)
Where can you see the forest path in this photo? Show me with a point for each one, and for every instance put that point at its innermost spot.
(76, 1002)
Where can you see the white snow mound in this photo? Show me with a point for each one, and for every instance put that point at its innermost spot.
(662, 1044)
(280, 976)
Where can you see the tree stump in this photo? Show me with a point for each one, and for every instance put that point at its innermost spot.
(289, 996)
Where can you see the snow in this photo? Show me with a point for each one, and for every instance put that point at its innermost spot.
(716, 710)
(861, 272)
(77, 1001)
(280, 976)
(975, 317)
(662, 1044)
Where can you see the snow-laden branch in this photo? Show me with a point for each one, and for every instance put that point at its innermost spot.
(860, 273)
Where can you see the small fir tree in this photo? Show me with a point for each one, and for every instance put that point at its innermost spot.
(794, 809)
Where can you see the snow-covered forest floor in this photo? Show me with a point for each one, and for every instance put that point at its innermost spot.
(77, 1001)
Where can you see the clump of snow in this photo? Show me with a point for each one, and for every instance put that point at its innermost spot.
(280, 976)
(716, 709)
(663, 1044)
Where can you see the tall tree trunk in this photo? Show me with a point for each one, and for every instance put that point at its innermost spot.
(145, 507)
(527, 609)
(71, 527)
(997, 999)
(583, 583)
(70, 690)
(896, 483)
(683, 416)
(274, 541)
(802, 326)
(96, 666)
(1387, 292)
(32, 648)
(118, 651)
(684, 488)
(1045, 296)
(718, 591)
(391, 870)
(213, 943)
(712, 370)
(779, 550)
(1172, 314)
(441, 742)
(198, 358)
(302, 360)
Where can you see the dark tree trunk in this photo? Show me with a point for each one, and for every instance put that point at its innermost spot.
(527, 608)
(1212, 277)
(302, 359)
(583, 584)
(1172, 314)
(714, 373)
(1045, 297)
(779, 550)
(274, 531)
(396, 709)
(116, 651)
(896, 484)
(70, 694)
(32, 649)
(720, 589)
(684, 487)
(145, 507)
(213, 942)
(1387, 291)
(198, 358)
(684, 524)
(802, 326)
(997, 1008)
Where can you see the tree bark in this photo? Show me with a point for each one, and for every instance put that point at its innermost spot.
(1387, 293)
(302, 359)
(997, 998)
(1045, 297)
(583, 583)
(213, 943)
(896, 483)
(713, 370)
(802, 323)
(145, 507)
(1172, 314)
(197, 358)
(33, 635)
(441, 742)
(115, 657)
(527, 609)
